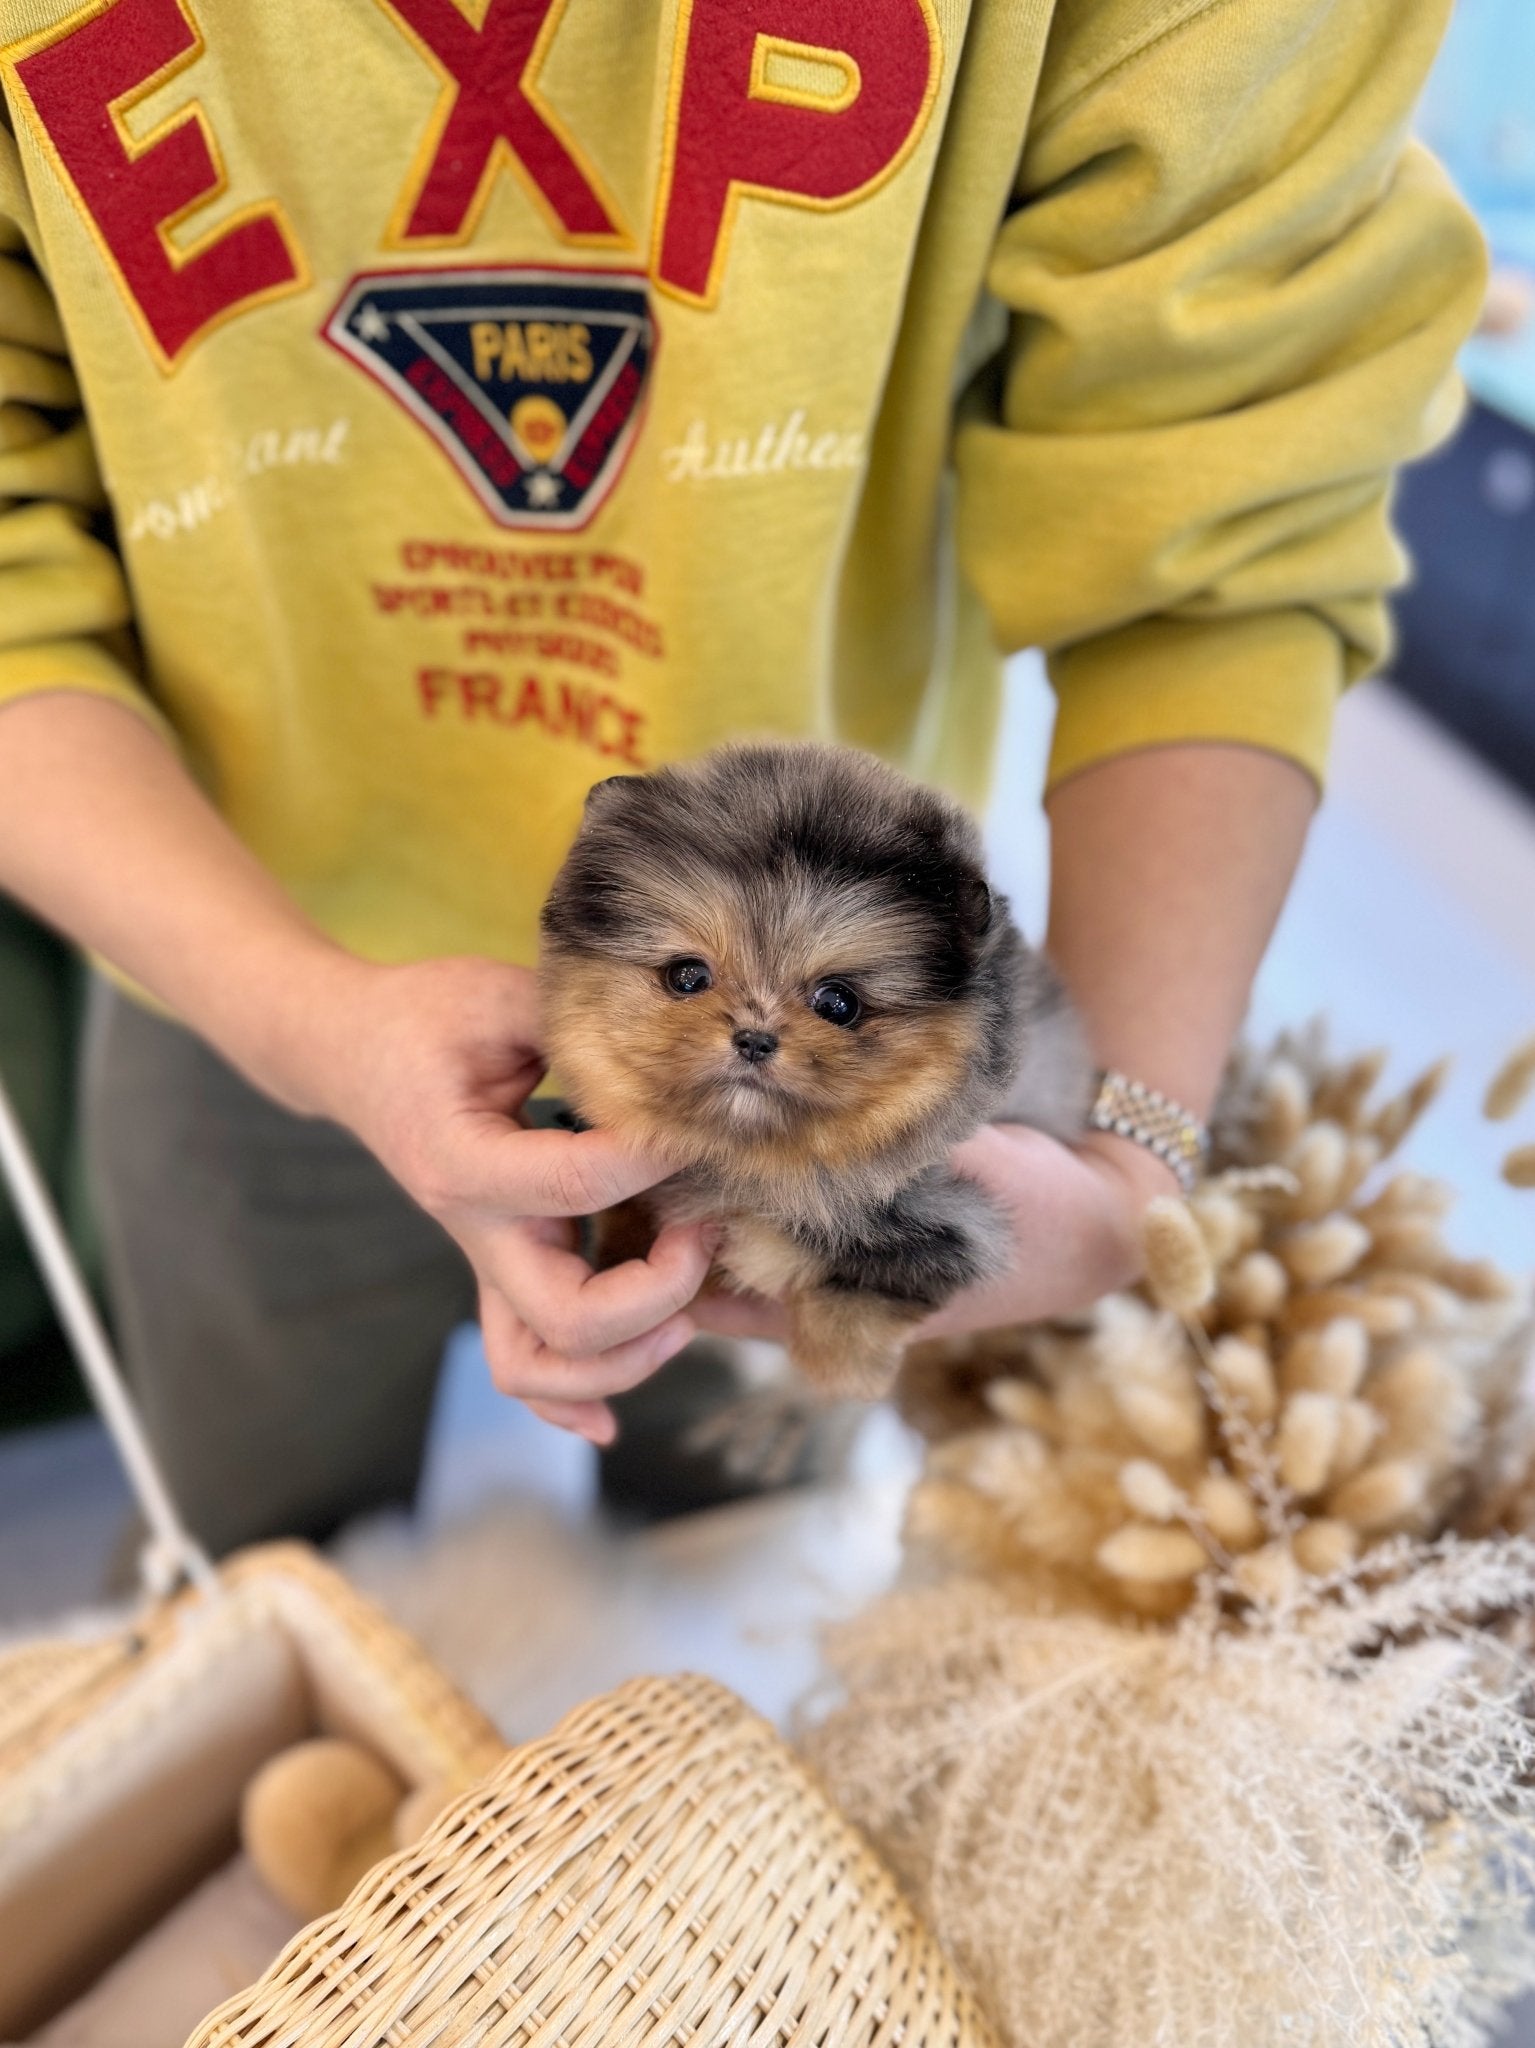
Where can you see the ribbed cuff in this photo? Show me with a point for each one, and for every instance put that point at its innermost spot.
(1271, 681)
(80, 665)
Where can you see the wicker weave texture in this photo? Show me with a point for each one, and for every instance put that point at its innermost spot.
(37, 1679)
(67, 1698)
(659, 1869)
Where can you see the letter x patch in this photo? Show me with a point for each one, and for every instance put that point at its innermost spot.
(532, 380)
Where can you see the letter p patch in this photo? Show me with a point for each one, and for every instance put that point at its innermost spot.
(807, 102)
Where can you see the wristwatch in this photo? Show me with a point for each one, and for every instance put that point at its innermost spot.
(1148, 1117)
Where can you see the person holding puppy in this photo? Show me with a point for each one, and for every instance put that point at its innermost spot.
(488, 401)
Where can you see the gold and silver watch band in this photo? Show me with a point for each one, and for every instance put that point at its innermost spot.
(1148, 1117)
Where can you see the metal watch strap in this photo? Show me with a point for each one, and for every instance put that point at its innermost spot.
(1148, 1117)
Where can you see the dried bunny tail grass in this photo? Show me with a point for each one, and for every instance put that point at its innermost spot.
(1364, 1155)
(1519, 1167)
(1382, 1498)
(1325, 1546)
(1411, 1299)
(1242, 1439)
(950, 1525)
(1291, 1367)
(1359, 1431)
(1153, 1553)
(1225, 1224)
(1323, 1823)
(1317, 1254)
(1511, 1084)
(1318, 1159)
(1244, 1376)
(1329, 1360)
(1026, 1406)
(1179, 1272)
(1306, 1441)
(1396, 1118)
(1342, 1093)
(1407, 1194)
(1411, 1242)
(1227, 1509)
(1284, 1103)
(1149, 1492)
(1255, 1180)
(1477, 1279)
(1162, 1412)
(1384, 1313)
(1254, 1289)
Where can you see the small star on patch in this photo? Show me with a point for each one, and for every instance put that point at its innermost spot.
(543, 489)
(370, 324)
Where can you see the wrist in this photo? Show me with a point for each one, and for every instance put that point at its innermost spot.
(1141, 1174)
(287, 1018)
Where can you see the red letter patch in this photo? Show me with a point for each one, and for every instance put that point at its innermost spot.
(79, 81)
(807, 102)
(486, 112)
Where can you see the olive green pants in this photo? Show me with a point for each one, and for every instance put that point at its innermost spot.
(281, 1303)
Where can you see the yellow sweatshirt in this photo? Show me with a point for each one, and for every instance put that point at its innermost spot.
(492, 395)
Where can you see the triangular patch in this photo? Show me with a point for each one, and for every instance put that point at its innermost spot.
(531, 379)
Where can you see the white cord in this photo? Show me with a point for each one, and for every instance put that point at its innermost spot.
(171, 1553)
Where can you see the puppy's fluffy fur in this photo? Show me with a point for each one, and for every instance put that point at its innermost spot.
(785, 961)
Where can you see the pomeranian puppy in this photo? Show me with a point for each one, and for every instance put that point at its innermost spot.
(785, 963)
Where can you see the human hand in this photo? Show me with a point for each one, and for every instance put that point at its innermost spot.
(429, 1065)
(1074, 1215)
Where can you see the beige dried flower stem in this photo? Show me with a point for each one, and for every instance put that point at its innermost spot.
(1519, 1167)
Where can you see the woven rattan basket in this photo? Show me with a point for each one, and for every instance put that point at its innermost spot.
(122, 1761)
(659, 1870)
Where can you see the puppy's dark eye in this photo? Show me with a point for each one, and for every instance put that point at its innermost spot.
(687, 977)
(835, 1001)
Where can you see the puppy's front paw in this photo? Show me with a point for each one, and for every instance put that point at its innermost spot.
(850, 1344)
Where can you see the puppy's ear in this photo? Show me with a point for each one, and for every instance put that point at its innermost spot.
(616, 789)
(974, 903)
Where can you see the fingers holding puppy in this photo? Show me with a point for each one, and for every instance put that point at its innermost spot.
(577, 1313)
(571, 1392)
(588, 1335)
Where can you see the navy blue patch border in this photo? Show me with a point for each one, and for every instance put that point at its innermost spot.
(336, 331)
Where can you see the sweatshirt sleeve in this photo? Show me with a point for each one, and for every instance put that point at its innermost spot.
(64, 606)
(1236, 290)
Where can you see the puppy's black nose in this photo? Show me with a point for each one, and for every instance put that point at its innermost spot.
(755, 1046)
